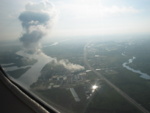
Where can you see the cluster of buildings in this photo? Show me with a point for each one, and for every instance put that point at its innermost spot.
(66, 80)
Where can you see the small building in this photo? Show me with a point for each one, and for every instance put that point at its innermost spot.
(65, 78)
(56, 86)
(51, 84)
(57, 77)
(49, 87)
(50, 79)
(96, 55)
(87, 71)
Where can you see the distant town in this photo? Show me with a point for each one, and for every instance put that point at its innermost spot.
(113, 71)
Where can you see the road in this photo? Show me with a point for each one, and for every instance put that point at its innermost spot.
(123, 94)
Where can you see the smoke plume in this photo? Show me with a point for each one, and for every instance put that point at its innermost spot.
(36, 21)
(69, 66)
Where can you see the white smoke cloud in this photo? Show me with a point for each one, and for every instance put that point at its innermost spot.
(69, 66)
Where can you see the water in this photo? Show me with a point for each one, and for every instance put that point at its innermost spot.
(142, 75)
(13, 68)
(55, 43)
(31, 76)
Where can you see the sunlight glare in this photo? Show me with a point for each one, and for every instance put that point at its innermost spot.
(94, 87)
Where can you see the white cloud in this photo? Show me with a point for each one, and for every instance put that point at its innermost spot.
(94, 17)
(86, 10)
(117, 9)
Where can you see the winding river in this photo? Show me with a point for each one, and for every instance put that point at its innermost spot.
(34, 72)
(142, 75)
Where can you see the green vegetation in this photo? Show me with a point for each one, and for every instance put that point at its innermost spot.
(62, 99)
(109, 59)
(106, 56)
(111, 64)
(71, 50)
(141, 50)
(52, 69)
(91, 76)
(17, 73)
(8, 55)
(107, 100)
(133, 85)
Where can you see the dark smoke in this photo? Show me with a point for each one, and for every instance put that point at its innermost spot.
(30, 38)
(29, 18)
(35, 21)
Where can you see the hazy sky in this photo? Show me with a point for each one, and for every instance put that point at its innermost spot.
(81, 17)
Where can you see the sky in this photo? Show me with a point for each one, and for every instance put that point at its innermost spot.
(80, 18)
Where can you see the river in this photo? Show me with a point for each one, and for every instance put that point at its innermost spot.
(142, 75)
(31, 76)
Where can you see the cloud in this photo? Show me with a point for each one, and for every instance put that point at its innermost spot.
(89, 10)
(36, 21)
(117, 9)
